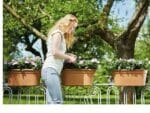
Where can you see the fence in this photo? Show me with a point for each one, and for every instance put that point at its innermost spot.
(96, 94)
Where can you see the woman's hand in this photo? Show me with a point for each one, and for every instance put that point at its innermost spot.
(72, 58)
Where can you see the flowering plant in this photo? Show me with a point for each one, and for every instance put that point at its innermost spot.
(25, 63)
(129, 64)
(83, 64)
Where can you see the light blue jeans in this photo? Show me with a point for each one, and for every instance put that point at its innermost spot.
(52, 82)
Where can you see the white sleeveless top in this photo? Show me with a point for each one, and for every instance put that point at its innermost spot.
(50, 60)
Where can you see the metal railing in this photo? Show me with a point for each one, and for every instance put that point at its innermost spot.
(96, 94)
(24, 94)
(111, 95)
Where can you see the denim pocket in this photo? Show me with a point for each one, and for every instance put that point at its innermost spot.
(47, 72)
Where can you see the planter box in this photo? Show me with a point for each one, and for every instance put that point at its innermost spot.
(130, 78)
(77, 77)
(24, 78)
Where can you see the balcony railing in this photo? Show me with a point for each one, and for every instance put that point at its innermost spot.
(96, 94)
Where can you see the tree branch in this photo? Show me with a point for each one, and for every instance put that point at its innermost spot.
(44, 48)
(34, 51)
(100, 27)
(105, 13)
(44, 13)
(31, 28)
(34, 40)
(29, 46)
(105, 34)
(137, 21)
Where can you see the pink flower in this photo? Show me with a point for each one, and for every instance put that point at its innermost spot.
(14, 63)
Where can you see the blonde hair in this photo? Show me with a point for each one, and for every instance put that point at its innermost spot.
(65, 24)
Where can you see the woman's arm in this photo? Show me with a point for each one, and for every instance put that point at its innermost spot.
(55, 49)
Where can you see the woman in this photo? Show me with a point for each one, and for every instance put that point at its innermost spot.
(60, 37)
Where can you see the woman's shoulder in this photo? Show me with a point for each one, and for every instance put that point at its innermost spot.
(55, 32)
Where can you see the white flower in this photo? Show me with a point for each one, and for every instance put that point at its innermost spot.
(109, 59)
(140, 62)
(94, 60)
(79, 57)
(131, 60)
(81, 62)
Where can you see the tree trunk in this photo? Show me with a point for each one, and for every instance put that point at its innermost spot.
(44, 48)
(124, 51)
(125, 48)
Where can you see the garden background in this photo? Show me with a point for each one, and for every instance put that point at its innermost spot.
(108, 29)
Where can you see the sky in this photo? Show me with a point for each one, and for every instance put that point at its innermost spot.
(123, 10)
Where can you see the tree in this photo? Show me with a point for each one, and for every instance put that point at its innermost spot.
(123, 44)
(39, 16)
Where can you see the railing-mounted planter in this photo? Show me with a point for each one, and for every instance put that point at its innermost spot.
(130, 78)
(24, 71)
(25, 77)
(77, 77)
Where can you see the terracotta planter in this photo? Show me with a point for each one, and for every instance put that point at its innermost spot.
(130, 78)
(24, 77)
(77, 77)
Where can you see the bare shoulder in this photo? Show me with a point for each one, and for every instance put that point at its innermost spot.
(56, 34)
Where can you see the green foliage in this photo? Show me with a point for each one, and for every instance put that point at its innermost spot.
(114, 25)
(129, 64)
(142, 49)
(83, 64)
(104, 71)
(142, 46)
(25, 63)
(12, 33)
(42, 15)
